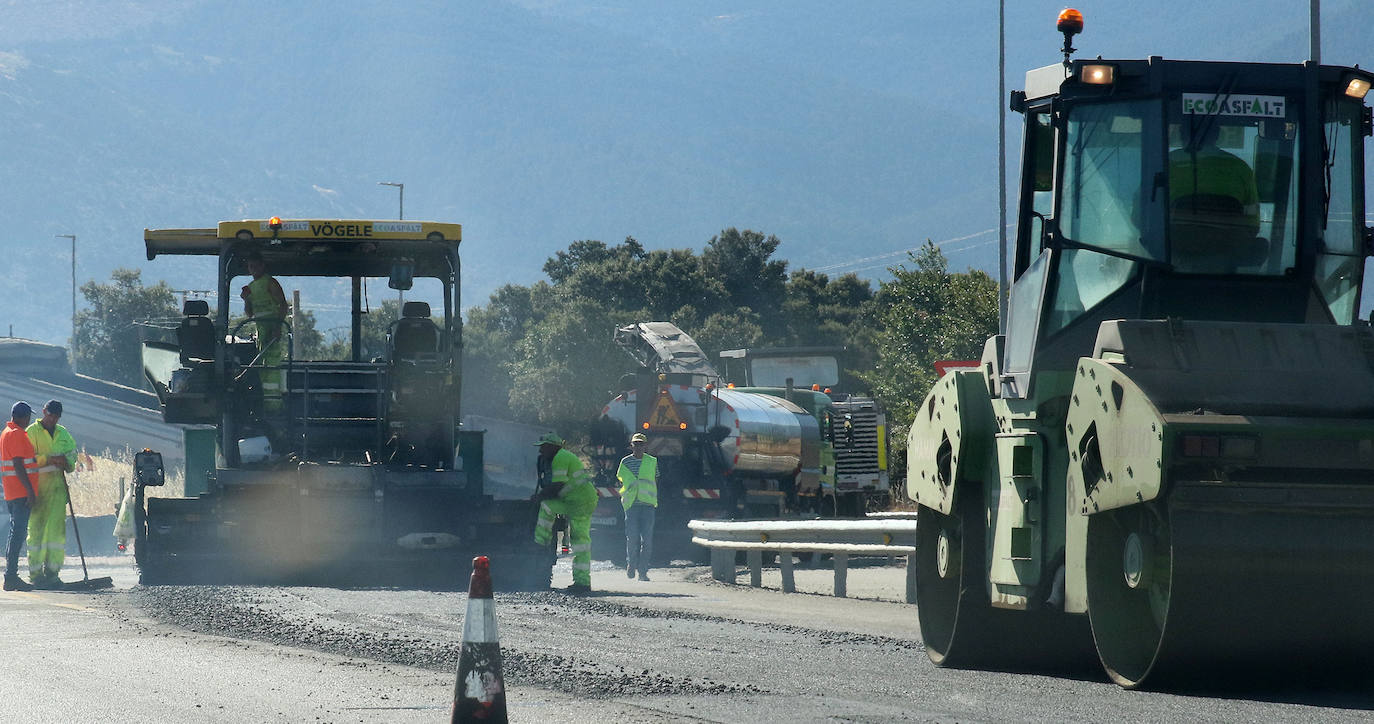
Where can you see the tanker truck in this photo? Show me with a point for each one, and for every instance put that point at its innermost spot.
(721, 452)
(1168, 457)
(854, 471)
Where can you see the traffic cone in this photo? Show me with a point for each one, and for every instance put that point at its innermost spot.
(480, 692)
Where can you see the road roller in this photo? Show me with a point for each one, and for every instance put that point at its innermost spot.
(1167, 459)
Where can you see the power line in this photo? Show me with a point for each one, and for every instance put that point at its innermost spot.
(947, 252)
(899, 252)
(864, 263)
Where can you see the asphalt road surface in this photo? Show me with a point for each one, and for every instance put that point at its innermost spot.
(681, 648)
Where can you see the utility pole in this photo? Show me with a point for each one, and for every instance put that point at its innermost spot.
(73, 238)
(1002, 165)
(295, 317)
(1314, 26)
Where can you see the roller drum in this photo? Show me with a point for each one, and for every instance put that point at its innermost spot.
(1243, 583)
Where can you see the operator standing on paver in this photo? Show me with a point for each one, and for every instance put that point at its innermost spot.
(265, 302)
(17, 464)
(569, 493)
(56, 454)
(638, 476)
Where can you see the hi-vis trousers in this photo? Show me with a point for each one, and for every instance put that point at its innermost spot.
(48, 529)
(578, 504)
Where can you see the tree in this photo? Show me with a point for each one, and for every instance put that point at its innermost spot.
(118, 318)
(742, 261)
(376, 324)
(307, 342)
(927, 314)
(544, 353)
(566, 367)
(728, 330)
(490, 339)
(564, 264)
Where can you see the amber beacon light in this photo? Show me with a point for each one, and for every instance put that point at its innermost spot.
(1070, 24)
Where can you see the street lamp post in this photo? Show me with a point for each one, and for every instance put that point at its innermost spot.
(401, 214)
(73, 238)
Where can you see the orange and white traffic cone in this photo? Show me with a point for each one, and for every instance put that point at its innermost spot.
(480, 692)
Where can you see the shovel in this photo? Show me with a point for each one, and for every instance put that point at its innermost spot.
(86, 583)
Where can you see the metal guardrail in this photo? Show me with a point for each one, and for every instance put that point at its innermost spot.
(878, 535)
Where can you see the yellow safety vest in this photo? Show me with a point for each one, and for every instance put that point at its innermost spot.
(1212, 171)
(47, 447)
(642, 488)
(260, 296)
(567, 469)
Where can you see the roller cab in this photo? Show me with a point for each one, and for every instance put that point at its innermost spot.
(1167, 460)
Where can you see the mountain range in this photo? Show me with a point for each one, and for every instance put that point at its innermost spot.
(851, 131)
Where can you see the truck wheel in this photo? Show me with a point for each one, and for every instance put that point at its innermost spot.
(827, 506)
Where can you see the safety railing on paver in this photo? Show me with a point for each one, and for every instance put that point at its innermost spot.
(881, 534)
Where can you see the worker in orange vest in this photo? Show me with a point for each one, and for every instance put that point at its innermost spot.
(18, 467)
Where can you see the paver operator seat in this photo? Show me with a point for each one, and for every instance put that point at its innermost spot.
(414, 336)
(196, 335)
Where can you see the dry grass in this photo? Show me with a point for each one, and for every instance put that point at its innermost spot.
(96, 490)
(900, 503)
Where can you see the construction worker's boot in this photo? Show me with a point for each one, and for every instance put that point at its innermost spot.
(15, 583)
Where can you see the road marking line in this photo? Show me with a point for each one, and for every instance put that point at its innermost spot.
(42, 599)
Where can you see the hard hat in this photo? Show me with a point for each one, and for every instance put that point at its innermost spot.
(639, 437)
(549, 438)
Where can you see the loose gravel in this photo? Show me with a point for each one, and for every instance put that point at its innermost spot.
(827, 638)
(274, 616)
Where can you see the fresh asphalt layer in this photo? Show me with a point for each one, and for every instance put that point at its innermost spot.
(679, 648)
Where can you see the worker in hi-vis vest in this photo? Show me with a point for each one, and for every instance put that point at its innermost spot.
(638, 476)
(19, 470)
(570, 492)
(265, 302)
(56, 455)
(1214, 204)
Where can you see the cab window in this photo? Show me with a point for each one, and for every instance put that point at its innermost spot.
(1103, 210)
(1105, 167)
(1039, 161)
(1342, 255)
(1233, 186)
